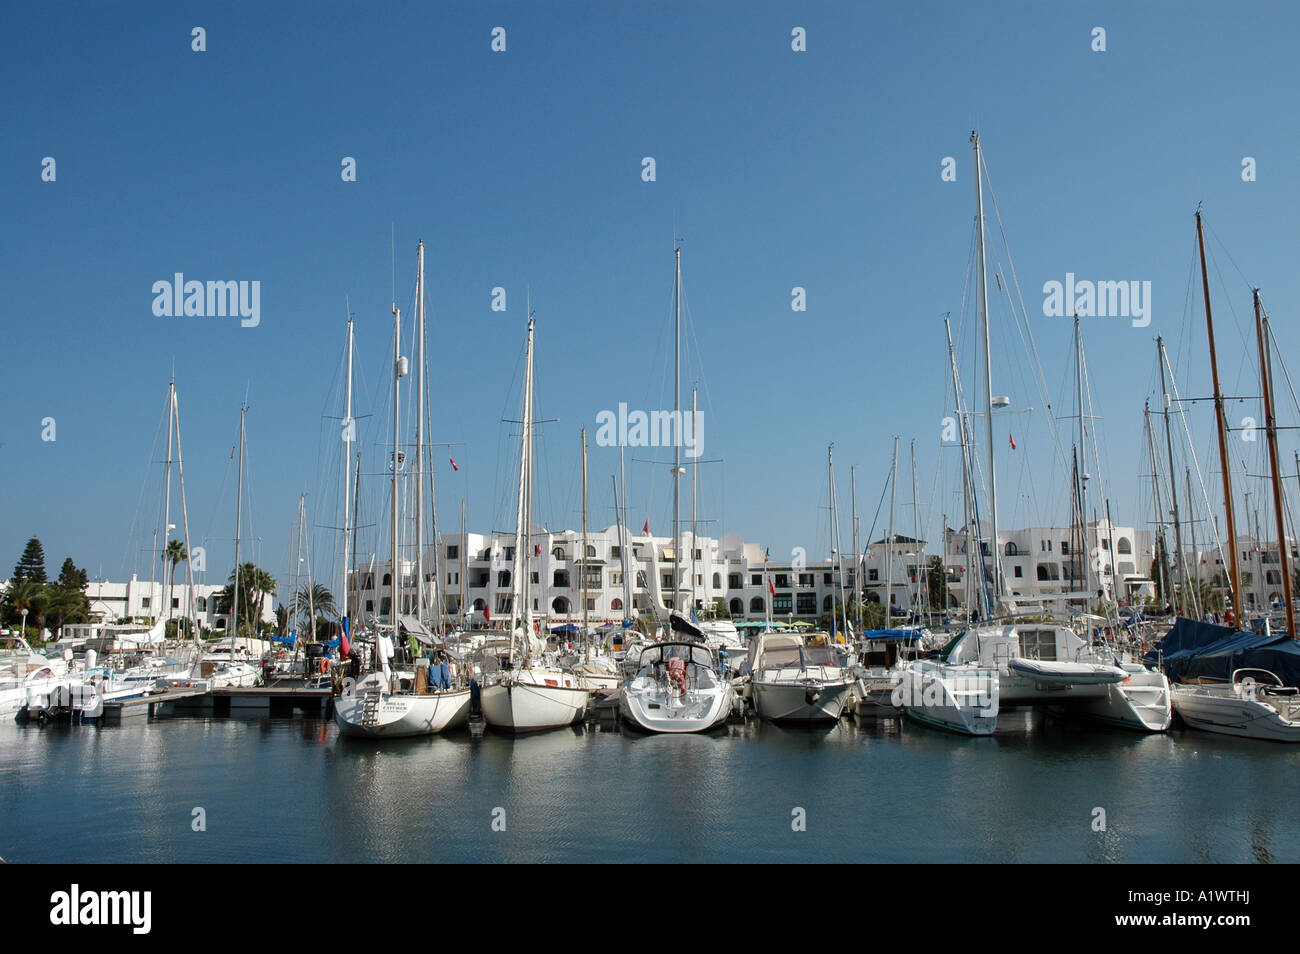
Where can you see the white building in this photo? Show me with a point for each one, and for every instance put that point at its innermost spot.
(146, 601)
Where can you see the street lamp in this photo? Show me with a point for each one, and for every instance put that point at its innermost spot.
(24, 614)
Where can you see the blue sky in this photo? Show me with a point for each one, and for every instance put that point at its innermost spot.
(522, 169)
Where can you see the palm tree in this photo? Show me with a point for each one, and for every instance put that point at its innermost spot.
(27, 594)
(174, 553)
(254, 585)
(315, 597)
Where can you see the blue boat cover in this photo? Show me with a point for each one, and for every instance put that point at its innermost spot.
(1194, 650)
(891, 634)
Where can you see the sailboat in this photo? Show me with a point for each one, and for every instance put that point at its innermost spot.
(535, 692)
(379, 705)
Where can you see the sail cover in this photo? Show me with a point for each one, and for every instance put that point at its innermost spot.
(1194, 650)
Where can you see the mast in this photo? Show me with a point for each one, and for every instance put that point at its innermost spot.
(677, 416)
(1266, 375)
(185, 523)
(239, 499)
(1082, 463)
(1181, 559)
(988, 380)
(695, 493)
(419, 432)
(916, 537)
(1234, 582)
(1166, 571)
(517, 615)
(583, 565)
(464, 560)
(857, 557)
(167, 484)
(967, 490)
(399, 370)
(624, 532)
(349, 427)
(889, 542)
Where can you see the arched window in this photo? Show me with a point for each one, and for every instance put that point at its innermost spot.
(1042, 573)
(480, 605)
(558, 553)
(591, 551)
(717, 581)
(503, 579)
(616, 604)
(203, 604)
(736, 606)
(756, 605)
(1124, 545)
(560, 604)
(388, 579)
(1012, 550)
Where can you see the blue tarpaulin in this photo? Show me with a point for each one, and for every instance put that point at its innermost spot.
(1194, 650)
(891, 634)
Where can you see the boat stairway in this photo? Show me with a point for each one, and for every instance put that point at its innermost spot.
(370, 707)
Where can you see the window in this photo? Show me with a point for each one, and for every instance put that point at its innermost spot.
(558, 554)
(1105, 544)
(176, 602)
(781, 603)
(826, 605)
(783, 580)
(145, 601)
(717, 581)
(536, 579)
(615, 577)
(509, 554)
(503, 579)
(388, 579)
(1065, 547)
(591, 576)
(591, 603)
(560, 578)
(735, 581)
(1038, 644)
(560, 604)
(736, 607)
(616, 553)
(666, 581)
(504, 602)
(370, 605)
(807, 604)
(1012, 550)
(453, 552)
(616, 604)
(806, 579)
(826, 578)
(591, 551)
(1019, 572)
(203, 604)
(873, 575)
(756, 579)
(756, 604)
(698, 555)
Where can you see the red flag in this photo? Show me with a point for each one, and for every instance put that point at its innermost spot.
(537, 549)
(453, 463)
(770, 588)
(646, 528)
(487, 617)
(1012, 440)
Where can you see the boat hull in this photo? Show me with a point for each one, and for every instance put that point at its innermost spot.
(527, 704)
(956, 698)
(800, 701)
(653, 710)
(1142, 702)
(1231, 714)
(402, 715)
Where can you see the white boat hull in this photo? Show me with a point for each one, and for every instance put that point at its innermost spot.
(652, 709)
(402, 714)
(1142, 702)
(534, 700)
(1227, 713)
(956, 698)
(811, 701)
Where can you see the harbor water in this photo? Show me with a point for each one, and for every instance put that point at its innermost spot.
(258, 789)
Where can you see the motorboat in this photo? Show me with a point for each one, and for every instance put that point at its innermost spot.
(1254, 705)
(791, 681)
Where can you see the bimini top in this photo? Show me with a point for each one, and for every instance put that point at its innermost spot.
(691, 652)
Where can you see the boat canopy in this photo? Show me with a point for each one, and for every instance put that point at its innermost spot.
(1194, 650)
(681, 624)
(699, 655)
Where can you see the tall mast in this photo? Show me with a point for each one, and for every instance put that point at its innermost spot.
(966, 489)
(857, 557)
(1234, 583)
(988, 380)
(1266, 375)
(464, 559)
(167, 485)
(1180, 560)
(695, 493)
(677, 416)
(185, 522)
(623, 533)
(239, 516)
(1082, 463)
(916, 537)
(419, 432)
(889, 540)
(399, 370)
(1165, 571)
(518, 616)
(348, 435)
(583, 565)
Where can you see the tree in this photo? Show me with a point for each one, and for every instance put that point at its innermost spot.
(254, 586)
(26, 594)
(937, 580)
(316, 597)
(31, 566)
(174, 553)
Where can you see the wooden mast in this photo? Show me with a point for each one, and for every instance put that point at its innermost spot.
(1270, 423)
(1234, 582)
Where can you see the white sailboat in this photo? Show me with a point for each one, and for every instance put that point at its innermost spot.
(676, 689)
(535, 692)
(379, 706)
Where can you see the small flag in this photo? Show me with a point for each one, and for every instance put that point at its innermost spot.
(453, 463)
(646, 528)
(770, 588)
(487, 617)
(767, 555)
(537, 549)
(1012, 440)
